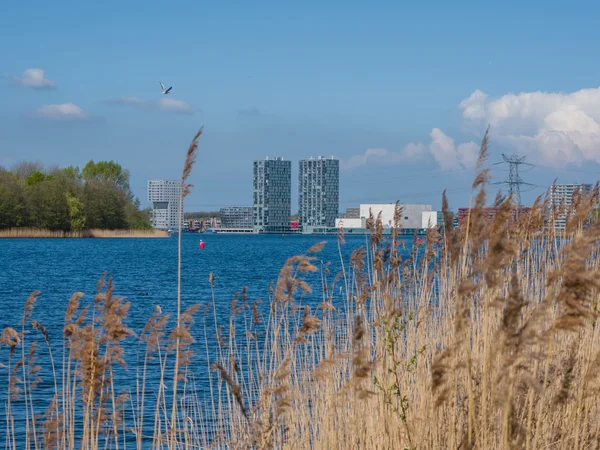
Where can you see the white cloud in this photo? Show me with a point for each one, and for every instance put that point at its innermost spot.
(360, 160)
(552, 128)
(442, 148)
(444, 151)
(164, 104)
(474, 106)
(177, 106)
(65, 111)
(33, 78)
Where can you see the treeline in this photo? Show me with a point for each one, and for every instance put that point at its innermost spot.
(69, 199)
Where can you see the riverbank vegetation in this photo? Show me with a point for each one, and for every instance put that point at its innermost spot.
(69, 200)
(481, 337)
(43, 233)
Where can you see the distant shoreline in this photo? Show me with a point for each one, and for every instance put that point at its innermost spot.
(29, 233)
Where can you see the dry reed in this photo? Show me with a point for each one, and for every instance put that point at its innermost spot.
(43, 233)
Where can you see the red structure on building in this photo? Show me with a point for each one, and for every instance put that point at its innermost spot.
(489, 214)
(294, 225)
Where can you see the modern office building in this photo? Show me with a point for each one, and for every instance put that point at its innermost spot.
(272, 195)
(318, 191)
(562, 195)
(164, 196)
(236, 217)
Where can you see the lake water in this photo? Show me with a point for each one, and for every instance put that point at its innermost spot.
(59, 267)
(145, 272)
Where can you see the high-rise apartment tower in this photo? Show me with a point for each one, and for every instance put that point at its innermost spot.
(272, 195)
(319, 191)
(164, 196)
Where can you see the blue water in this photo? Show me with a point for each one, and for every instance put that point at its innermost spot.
(59, 267)
(144, 271)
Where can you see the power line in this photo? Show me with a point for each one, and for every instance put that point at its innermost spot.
(514, 180)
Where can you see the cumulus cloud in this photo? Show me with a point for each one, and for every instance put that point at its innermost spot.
(372, 154)
(441, 148)
(552, 128)
(33, 78)
(63, 112)
(164, 104)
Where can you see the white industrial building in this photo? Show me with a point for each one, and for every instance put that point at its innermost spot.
(429, 219)
(164, 196)
(413, 216)
(351, 223)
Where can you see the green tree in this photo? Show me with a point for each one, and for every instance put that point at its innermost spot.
(12, 212)
(104, 205)
(24, 169)
(76, 215)
(46, 203)
(72, 172)
(137, 219)
(35, 178)
(106, 171)
(98, 196)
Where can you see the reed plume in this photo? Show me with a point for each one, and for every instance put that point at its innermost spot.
(188, 165)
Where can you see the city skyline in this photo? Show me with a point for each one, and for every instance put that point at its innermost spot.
(354, 205)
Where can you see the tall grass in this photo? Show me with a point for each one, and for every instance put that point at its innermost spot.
(44, 233)
(482, 337)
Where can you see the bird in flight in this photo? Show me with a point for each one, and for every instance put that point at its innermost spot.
(165, 91)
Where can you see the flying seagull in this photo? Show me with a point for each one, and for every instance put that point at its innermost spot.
(165, 91)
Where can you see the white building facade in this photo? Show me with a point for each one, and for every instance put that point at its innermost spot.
(429, 219)
(412, 215)
(164, 196)
(350, 223)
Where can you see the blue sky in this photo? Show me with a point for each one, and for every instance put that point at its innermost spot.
(400, 93)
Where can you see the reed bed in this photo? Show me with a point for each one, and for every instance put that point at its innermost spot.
(44, 233)
(481, 337)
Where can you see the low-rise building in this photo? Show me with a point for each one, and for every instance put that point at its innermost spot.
(411, 214)
(236, 217)
(352, 213)
(351, 223)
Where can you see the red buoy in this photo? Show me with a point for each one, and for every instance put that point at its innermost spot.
(201, 244)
